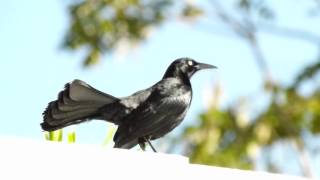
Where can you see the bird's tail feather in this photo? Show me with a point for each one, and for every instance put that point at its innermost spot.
(78, 102)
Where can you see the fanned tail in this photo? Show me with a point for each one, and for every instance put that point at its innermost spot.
(78, 102)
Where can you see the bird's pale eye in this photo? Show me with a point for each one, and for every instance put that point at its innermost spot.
(190, 63)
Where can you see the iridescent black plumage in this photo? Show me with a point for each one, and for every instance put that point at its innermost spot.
(145, 115)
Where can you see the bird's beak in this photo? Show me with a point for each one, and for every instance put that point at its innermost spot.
(205, 66)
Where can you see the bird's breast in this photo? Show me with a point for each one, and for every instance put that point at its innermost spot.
(184, 98)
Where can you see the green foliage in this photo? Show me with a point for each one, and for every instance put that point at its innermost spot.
(192, 11)
(290, 114)
(100, 25)
(219, 139)
(223, 138)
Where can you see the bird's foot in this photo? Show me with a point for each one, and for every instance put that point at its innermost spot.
(148, 141)
(142, 144)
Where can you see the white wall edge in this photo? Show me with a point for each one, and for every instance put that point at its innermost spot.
(30, 159)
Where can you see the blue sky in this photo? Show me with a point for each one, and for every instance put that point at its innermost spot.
(33, 67)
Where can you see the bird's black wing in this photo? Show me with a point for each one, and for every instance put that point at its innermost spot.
(164, 108)
(136, 99)
(115, 112)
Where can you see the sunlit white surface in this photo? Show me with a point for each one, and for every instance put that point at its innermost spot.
(29, 159)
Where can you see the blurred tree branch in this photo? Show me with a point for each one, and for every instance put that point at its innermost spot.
(303, 157)
(247, 30)
(291, 33)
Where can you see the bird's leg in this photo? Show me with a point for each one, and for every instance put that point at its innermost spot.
(148, 141)
(142, 144)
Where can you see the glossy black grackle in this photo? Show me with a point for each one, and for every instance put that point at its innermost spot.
(145, 115)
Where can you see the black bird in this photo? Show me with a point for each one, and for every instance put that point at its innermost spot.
(145, 115)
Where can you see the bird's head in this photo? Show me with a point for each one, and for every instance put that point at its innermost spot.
(185, 68)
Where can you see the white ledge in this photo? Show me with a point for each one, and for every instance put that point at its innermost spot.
(28, 159)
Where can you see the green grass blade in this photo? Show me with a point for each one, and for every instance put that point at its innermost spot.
(108, 139)
(72, 137)
(54, 135)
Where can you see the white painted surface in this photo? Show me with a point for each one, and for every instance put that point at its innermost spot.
(28, 159)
